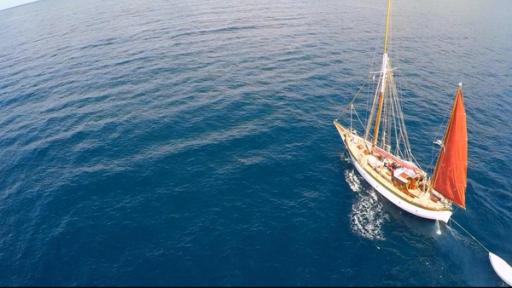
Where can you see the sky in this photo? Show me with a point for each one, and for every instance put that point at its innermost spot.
(4, 4)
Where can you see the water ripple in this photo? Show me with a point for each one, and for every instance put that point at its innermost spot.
(191, 142)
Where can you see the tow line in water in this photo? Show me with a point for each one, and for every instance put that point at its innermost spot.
(502, 268)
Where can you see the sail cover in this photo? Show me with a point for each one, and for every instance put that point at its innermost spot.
(449, 177)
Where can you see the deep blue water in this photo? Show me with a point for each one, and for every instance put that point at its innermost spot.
(191, 142)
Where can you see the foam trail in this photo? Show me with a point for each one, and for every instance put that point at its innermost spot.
(353, 180)
(367, 216)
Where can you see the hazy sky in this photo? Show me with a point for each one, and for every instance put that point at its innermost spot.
(4, 4)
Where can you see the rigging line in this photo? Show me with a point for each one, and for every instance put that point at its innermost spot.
(368, 101)
(383, 120)
(385, 128)
(407, 140)
(357, 94)
(374, 85)
(391, 119)
(372, 88)
(405, 137)
(372, 111)
(397, 146)
(402, 140)
(398, 131)
(470, 235)
(359, 119)
(408, 151)
(402, 128)
(438, 132)
(403, 131)
(370, 64)
(397, 136)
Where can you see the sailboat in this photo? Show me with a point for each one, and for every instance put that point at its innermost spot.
(383, 157)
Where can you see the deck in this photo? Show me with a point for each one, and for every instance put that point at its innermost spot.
(414, 191)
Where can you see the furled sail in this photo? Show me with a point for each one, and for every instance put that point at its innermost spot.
(449, 177)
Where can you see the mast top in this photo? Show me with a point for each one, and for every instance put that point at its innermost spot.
(387, 27)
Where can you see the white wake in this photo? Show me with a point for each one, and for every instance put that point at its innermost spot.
(367, 216)
(353, 180)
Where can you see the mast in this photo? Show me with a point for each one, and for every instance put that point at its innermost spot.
(387, 28)
(381, 99)
(383, 82)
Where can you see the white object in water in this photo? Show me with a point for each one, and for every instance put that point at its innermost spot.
(501, 268)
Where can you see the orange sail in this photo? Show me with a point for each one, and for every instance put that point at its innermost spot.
(449, 177)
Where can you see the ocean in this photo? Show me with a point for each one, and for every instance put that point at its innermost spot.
(191, 142)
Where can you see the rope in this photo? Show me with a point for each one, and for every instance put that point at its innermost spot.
(360, 122)
(470, 235)
(349, 106)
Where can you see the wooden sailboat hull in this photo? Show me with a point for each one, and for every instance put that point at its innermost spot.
(413, 209)
(393, 197)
